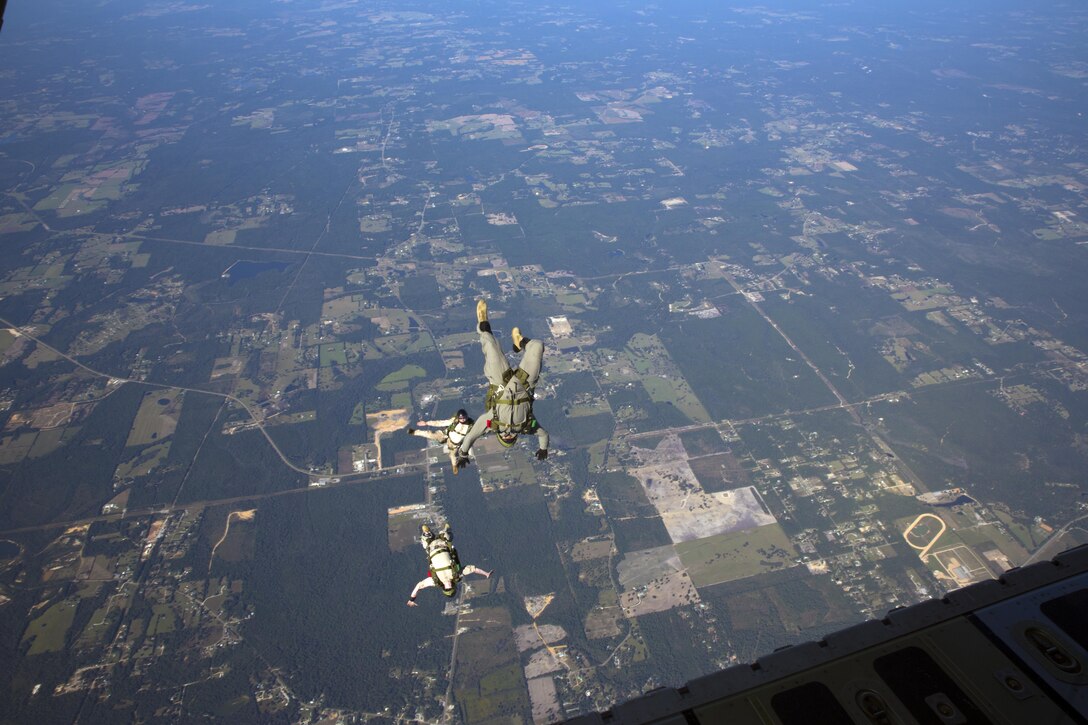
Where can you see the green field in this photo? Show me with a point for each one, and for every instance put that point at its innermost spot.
(504, 678)
(358, 415)
(502, 468)
(399, 379)
(676, 391)
(1022, 533)
(221, 237)
(14, 448)
(162, 620)
(583, 411)
(334, 352)
(396, 345)
(460, 339)
(6, 340)
(144, 462)
(54, 200)
(47, 632)
(489, 684)
(597, 453)
(157, 417)
(95, 630)
(662, 379)
(19, 222)
(736, 555)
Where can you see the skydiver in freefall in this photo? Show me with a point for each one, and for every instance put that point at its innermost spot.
(452, 432)
(509, 403)
(444, 570)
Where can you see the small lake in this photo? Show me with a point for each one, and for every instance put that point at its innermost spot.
(245, 268)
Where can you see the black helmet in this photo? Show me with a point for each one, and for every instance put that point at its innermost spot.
(462, 414)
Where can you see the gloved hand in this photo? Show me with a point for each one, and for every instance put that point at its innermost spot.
(542, 454)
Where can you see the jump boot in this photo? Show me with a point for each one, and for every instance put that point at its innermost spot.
(519, 340)
(481, 316)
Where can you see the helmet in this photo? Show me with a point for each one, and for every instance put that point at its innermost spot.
(462, 414)
(451, 592)
(507, 438)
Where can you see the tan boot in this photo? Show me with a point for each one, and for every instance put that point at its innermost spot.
(518, 339)
(481, 316)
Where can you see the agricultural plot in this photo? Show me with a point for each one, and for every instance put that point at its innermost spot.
(689, 512)
(49, 441)
(333, 353)
(925, 298)
(47, 632)
(400, 345)
(19, 222)
(460, 339)
(638, 568)
(719, 472)
(736, 555)
(400, 379)
(500, 467)
(662, 379)
(389, 321)
(376, 223)
(453, 360)
(162, 620)
(7, 339)
(489, 683)
(143, 463)
(157, 417)
(227, 367)
(604, 620)
(101, 250)
(589, 549)
(544, 699)
(58, 199)
(587, 405)
(404, 523)
(14, 448)
(358, 414)
(220, 237)
(670, 590)
(341, 309)
(654, 580)
(990, 536)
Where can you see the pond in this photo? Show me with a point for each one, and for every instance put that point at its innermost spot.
(246, 268)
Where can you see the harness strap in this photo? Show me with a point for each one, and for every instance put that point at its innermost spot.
(514, 401)
(497, 394)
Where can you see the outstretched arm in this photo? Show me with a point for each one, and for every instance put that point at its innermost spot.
(428, 582)
(477, 430)
(541, 438)
(473, 569)
(434, 423)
